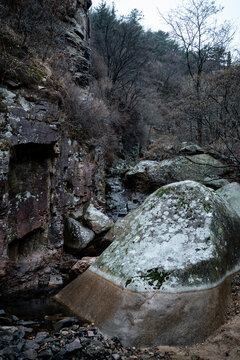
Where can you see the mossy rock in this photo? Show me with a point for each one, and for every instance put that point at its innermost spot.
(183, 237)
(165, 278)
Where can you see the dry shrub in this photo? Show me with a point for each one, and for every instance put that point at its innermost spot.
(165, 147)
(91, 121)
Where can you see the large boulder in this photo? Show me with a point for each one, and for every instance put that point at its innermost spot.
(150, 175)
(76, 236)
(231, 192)
(165, 278)
(97, 220)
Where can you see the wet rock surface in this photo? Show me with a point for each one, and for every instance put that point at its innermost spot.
(70, 339)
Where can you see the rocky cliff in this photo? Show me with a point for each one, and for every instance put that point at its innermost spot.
(46, 174)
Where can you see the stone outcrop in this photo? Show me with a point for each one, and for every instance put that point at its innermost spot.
(45, 175)
(45, 178)
(165, 277)
(148, 175)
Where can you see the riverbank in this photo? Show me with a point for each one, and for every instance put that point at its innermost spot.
(52, 334)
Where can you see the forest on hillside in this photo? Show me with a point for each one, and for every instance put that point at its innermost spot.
(169, 87)
(146, 90)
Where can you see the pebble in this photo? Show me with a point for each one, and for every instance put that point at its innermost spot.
(73, 346)
(40, 336)
(30, 354)
(68, 340)
(31, 344)
(65, 323)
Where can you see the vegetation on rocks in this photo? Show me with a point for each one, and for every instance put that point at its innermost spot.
(174, 88)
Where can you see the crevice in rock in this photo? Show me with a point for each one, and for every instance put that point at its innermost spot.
(20, 249)
(33, 151)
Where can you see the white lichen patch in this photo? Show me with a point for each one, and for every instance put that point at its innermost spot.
(143, 166)
(175, 241)
(8, 96)
(26, 105)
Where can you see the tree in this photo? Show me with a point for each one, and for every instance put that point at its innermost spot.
(39, 21)
(221, 109)
(194, 26)
(119, 41)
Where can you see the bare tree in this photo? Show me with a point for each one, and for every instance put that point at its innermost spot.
(195, 27)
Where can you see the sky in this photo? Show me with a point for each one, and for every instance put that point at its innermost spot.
(152, 19)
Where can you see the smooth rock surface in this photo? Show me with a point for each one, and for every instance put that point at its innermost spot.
(146, 318)
(231, 193)
(98, 221)
(164, 278)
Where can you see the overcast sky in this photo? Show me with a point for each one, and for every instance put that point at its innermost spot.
(152, 20)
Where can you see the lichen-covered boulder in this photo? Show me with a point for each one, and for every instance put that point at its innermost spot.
(150, 175)
(98, 221)
(231, 193)
(164, 279)
(76, 236)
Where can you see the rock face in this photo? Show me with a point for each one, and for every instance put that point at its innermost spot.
(149, 175)
(98, 221)
(164, 278)
(45, 175)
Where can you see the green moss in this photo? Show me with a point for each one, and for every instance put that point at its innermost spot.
(167, 191)
(156, 275)
(207, 206)
(152, 276)
(36, 72)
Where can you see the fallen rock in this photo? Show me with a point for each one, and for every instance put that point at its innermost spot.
(55, 281)
(82, 265)
(165, 278)
(214, 183)
(76, 236)
(149, 175)
(30, 354)
(65, 323)
(98, 221)
(231, 193)
(96, 350)
(190, 149)
(73, 346)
